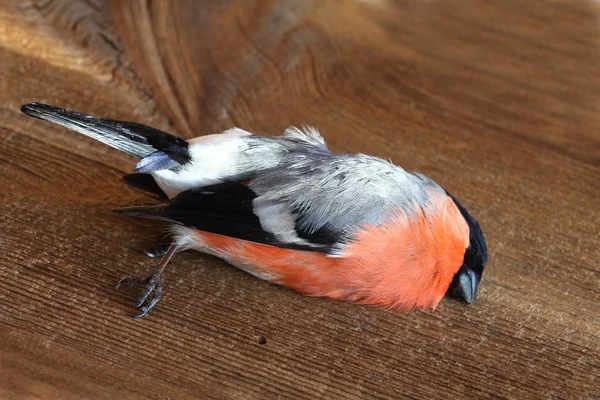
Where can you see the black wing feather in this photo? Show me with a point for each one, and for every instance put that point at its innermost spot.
(225, 209)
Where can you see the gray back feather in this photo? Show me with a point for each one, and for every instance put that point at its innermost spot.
(337, 192)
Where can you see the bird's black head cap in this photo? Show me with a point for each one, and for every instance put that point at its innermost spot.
(465, 282)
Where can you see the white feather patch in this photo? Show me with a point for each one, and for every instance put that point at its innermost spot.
(306, 134)
(213, 158)
(277, 219)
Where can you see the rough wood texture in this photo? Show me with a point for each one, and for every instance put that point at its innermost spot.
(497, 100)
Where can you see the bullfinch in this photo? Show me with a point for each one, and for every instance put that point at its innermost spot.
(288, 210)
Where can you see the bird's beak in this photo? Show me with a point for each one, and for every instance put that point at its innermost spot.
(464, 285)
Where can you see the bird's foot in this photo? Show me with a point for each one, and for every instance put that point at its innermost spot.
(154, 282)
(151, 296)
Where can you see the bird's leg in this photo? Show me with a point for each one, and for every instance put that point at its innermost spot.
(159, 248)
(154, 282)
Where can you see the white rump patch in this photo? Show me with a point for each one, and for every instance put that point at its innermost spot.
(214, 157)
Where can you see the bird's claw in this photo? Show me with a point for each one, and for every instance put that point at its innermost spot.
(153, 293)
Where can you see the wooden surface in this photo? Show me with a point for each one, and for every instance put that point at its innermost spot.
(499, 101)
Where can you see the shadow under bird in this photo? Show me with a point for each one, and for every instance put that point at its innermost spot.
(288, 210)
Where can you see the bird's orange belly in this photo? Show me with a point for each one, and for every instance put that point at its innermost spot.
(353, 278)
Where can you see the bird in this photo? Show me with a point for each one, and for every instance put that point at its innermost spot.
(288, 210)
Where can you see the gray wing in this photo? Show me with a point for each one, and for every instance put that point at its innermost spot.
(321, 199)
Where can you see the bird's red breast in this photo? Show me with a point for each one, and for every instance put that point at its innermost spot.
(407, 263)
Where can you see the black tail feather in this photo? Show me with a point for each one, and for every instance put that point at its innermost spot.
(134, 139)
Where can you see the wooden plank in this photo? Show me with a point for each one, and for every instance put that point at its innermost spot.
(496, 100)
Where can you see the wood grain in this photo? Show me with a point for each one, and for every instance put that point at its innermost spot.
(499, 101)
